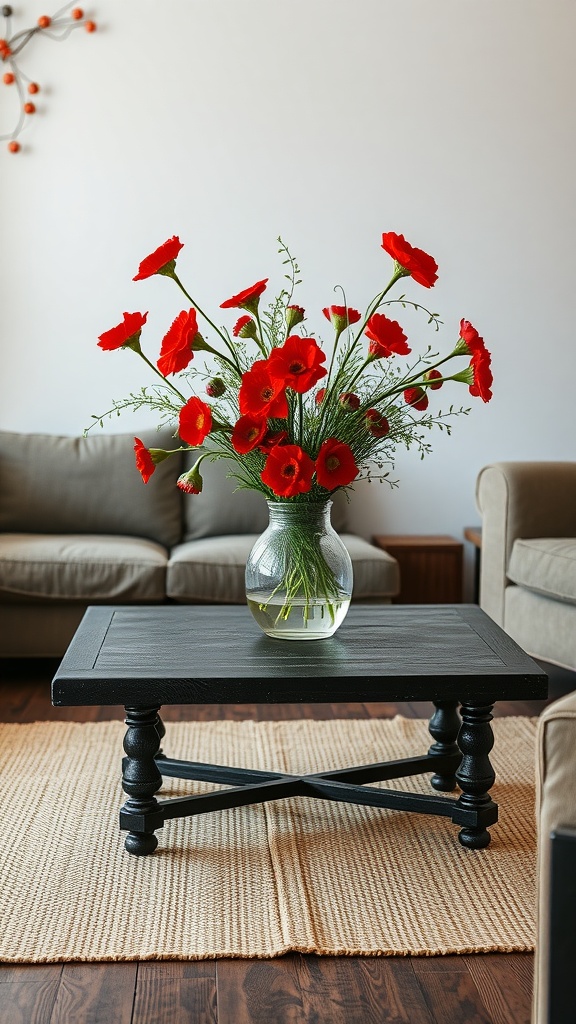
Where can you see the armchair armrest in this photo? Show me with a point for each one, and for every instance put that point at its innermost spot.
(520, 499)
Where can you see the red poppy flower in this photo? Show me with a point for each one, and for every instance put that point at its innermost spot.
(298, 363)
(417, 398)
(435, 378)
(288, 471)
(415, 262)
(161, 261)
(341, 317)
(244, 328)
(483, 378)
(178, 344)
(386, 337)
(248, 299)
(195, 421)
(261, 395)
(376, 423)
(335, 465)
(247, 434)
(144, 462)
(271, 439)
(126, 333)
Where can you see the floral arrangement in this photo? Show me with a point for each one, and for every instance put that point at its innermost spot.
(286, 436)
(296, 422)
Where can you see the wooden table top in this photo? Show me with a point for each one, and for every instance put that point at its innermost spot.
(216, 654)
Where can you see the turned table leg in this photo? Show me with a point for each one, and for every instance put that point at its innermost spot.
(141, 779)
(444, 727)
(475, 776)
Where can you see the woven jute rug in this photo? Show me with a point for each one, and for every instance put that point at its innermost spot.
(297, 874)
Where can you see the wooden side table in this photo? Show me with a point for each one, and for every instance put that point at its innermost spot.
(474, 535)
(430, 567)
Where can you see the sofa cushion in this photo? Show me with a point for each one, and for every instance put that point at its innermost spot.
(545, 565)
(222, 510)
(80, 567)
(51, 484)
(212, 569)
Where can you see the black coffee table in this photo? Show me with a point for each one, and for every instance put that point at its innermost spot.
(144, 657)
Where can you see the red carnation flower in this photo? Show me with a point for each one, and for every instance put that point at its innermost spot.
(414, 262)
(161, 261)
(386, 337)
(126, 333)
(470, 336)
(271, 439)
(248, 299)
(341, 317)
(247, 434)
(144, 462)
(335, 465)
(297, 363)
(195, 421)
(417, 398)
(376, 423)
(262, 395)
(288, 471)
(483, 378)
(178, 343)
(435, 378)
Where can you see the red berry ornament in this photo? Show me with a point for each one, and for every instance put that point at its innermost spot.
(90, 26)
(33, 87)
(13, 146)
(29, 108)
(77, 13)
(8, 78)
(44, 21)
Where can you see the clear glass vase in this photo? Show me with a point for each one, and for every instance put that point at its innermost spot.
(299, 573)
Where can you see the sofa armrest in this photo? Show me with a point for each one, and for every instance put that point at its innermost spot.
(555, 813)
(520, 499)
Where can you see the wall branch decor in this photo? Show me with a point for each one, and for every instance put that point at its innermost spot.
(57, 26)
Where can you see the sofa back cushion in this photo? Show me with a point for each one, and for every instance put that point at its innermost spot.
(221, 510)
(53, 484)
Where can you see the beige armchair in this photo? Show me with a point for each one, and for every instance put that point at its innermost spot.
(528, 564)
(528, 585)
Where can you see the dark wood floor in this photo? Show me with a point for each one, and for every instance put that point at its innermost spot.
(295, 989)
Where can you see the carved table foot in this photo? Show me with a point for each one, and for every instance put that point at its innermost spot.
(141, 814)
(444, 727)
(475, 776)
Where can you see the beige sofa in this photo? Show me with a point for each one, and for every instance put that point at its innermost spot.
(528, 563)
(78, 527)
(528, 585)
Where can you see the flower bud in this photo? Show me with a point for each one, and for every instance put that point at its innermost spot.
(417, 398)
(215, 387)
(376, 423)
(349, 401)
(245, 327)
(294, 316)
(191, 482)
(434, 376)
(319, 396)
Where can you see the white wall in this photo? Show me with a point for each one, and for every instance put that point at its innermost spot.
(230, 122)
